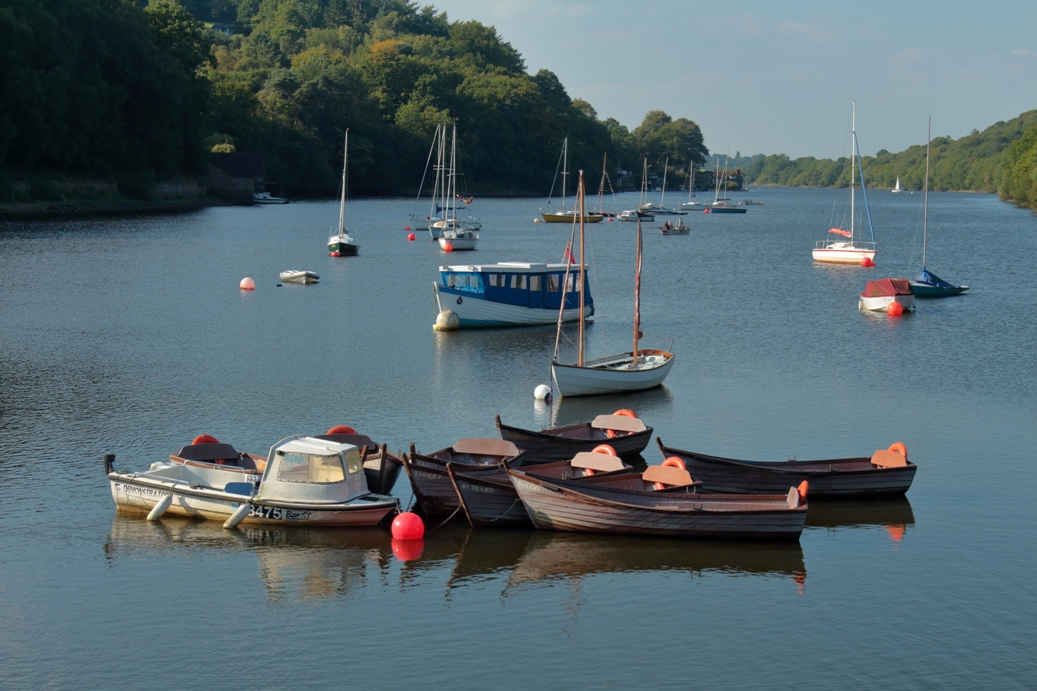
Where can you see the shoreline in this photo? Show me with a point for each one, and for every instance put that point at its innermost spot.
(83, 208)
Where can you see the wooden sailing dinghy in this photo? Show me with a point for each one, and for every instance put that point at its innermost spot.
(885, 472)
(623, 431)
(634, 371)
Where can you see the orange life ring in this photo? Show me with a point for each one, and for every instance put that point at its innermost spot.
(625, 412)
(675, 462)
(587, 472)
(611, 433)
(205, 439)
(898, 446)
(802, 490)
(605, 449)
(341, 429)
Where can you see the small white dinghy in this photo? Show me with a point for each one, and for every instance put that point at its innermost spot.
(296, 276)
(305, 481)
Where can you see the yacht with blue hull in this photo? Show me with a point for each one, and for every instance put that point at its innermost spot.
(511, 294)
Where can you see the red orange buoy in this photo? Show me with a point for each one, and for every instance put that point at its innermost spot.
(335, 254)
(448, 247)
(411, 237)
(895, 309)
(407, 550)
(341, 429)
(867, 262)
(205, 439)
(408, 526)
(247, 284)
(605, 449)
(406, 227)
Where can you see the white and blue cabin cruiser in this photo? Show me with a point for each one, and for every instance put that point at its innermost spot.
(511, 294)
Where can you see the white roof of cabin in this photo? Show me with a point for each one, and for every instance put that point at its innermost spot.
(310, 445)
(513, 267)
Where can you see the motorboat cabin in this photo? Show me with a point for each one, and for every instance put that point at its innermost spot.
(511, 293)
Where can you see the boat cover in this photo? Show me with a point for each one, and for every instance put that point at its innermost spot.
(887, 287)
(476, 446)
(925, 278)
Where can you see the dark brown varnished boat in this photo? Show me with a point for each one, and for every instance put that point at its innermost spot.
(381, 467)
(629, 437)
(431, 482)
(619, 507)
(488, 496)
(885, 472)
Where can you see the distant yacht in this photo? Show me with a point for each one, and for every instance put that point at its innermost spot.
(897, 187)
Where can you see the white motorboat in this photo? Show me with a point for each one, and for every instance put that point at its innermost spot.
(634, 215)
(267, 198)
(306, 481)
(633, 371)
(297, 276)
(342, 244)
(879, 295)
(851, 250)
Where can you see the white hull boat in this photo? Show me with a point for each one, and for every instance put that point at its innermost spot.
(458, 239)
(307, 481)
(634, 215)
(296, 276)
(613, 374)
(882, 303)
(267, 198)
(842, 253)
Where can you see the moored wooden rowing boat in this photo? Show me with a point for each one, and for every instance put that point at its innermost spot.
(627, 435)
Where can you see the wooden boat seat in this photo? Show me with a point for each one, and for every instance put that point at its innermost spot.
(888, 459)
(597, 461)
(479, 446)
(668, 475)
(619, 423)
(209, 453)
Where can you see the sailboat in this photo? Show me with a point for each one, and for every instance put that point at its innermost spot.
(634, 371)
(897, 187)
(563, 215)
(342, 244)
(927, 284)
(691, 189)
(722, 205)
(453, 235)
(851, 250)
(661, 210)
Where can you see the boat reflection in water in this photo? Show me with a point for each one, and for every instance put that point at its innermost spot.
(893, 514)
(294, 563)
(569, 411)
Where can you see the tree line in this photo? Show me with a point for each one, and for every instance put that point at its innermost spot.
(136, 91)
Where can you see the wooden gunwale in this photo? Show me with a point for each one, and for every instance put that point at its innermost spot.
(553, 444)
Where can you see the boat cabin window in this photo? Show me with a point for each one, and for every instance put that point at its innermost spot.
(553, 283)
(311, 469)
(462, 280)
(497, 280)
(518, 281)
(534, 282)
(353, 462)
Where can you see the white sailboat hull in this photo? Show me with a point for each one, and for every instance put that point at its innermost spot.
(842, 253)
(612, 374)
(478, 312)
(882, 302)
(457, 244)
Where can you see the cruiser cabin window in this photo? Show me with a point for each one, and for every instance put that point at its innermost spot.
(311, 469)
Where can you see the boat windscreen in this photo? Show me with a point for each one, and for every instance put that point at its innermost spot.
(311, 468)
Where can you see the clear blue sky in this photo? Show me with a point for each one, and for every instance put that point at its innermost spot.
(778, 76)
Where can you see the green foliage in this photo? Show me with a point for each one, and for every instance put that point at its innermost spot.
(1019, 177)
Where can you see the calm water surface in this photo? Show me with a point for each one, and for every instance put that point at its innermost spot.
(130, 336)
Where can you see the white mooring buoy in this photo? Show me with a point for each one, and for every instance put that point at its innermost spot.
(447, 320)
(542, 392)
(238, 516)
(160, 507)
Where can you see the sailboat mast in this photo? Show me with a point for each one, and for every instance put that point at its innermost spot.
(691, 179)
(853, 159)
(342, 204)
(637, 293)
(453, 178)
(580, 194)
(662, 199)
(565, 167)
(925, 215)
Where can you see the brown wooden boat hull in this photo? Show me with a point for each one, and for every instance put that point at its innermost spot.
(489, 498)
(842, 477)
(557, 507)
(553, 445)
